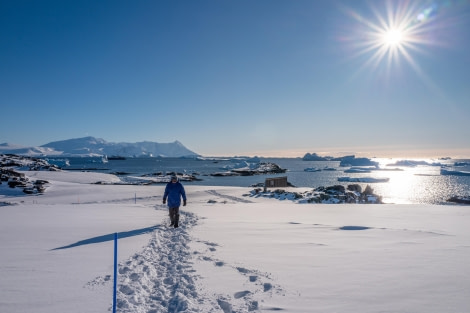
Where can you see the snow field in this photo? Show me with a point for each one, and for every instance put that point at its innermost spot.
(232, 253)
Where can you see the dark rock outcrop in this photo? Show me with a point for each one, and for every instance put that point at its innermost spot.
(460, 200)
(9, 164)
(253, 169)
(332, 194)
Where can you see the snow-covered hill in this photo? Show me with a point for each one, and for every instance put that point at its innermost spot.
(89, 146)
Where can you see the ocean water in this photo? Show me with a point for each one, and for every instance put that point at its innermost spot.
(407, 184)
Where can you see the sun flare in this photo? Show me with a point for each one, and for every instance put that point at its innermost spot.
(393, 37)
(393, 32)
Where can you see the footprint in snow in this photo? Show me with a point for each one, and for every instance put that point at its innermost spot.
(354, 228)
(161, 277)
(267, 286)
(241, 294)
(225, 305)
(243, 270)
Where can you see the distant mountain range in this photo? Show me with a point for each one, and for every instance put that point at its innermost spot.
(91, 146)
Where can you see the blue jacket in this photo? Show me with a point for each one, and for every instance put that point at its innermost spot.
(174, 192)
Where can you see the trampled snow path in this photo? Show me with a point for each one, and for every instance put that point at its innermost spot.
(161, 277)
(232, 198)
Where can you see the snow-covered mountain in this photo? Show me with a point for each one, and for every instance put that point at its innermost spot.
(29, 151)
(91, 146)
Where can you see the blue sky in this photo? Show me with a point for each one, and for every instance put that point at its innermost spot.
(264, 77)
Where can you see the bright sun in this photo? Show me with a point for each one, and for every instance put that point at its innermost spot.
(393, 37)
(392, 33)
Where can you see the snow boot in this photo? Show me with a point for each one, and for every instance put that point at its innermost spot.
(177, 217)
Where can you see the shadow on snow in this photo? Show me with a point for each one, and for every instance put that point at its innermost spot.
(110, 237)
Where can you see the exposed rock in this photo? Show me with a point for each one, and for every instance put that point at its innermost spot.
(355, 187)
(16, 183)
(3, 203)
(29, 190)
(261, 168)
(227, 173)
(251, 169)
(460, 200)
(8, 165)
(331, 194)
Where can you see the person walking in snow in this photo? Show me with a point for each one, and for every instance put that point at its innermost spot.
(174, 191)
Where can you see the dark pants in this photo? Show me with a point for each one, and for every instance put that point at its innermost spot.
(174, 215)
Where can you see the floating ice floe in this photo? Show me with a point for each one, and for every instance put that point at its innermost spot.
(312, 169)
(316, 169)
(363, 179)
(358, 170)
(456, 173)
(414, 163)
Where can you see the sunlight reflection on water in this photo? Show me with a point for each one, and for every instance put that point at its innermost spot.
(420, 184)
(407, 184)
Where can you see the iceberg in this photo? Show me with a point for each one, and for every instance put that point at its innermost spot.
(351, 160)
(315, 157)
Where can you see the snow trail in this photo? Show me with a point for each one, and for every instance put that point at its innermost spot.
(232, 198)
(161, 278)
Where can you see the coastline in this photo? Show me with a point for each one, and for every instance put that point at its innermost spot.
(393, 181)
